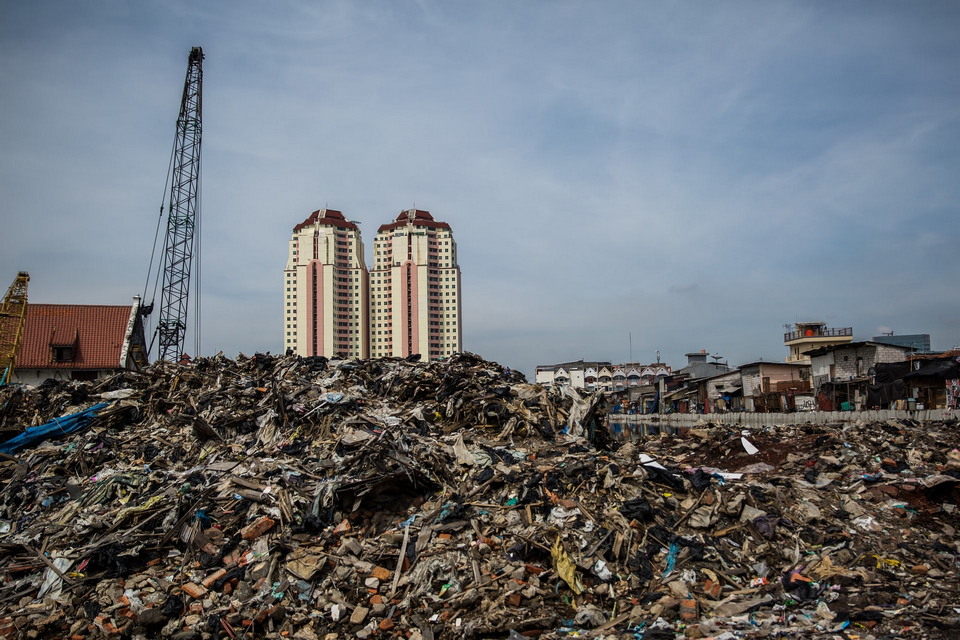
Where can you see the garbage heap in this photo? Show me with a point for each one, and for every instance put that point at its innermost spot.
(288, 497)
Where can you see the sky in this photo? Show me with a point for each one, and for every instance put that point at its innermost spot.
(622, 178)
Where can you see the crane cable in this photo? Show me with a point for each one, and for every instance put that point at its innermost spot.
(156, 236)
(197, 262)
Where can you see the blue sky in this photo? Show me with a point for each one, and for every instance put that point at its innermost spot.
(693, 174)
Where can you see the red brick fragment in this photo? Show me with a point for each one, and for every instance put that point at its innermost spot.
(213, 577)
(257, 528)
(381, 573)
(194, 590)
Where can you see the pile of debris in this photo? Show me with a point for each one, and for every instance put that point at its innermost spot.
(287, 497)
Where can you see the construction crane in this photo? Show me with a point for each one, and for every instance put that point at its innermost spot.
(183, 216)
(13, 315)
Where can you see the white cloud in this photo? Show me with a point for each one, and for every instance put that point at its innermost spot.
(695, 175)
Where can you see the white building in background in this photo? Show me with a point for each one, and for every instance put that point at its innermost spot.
(415, 296)
(590, 376)
(634, 374)
(326, 289)
(600, 375)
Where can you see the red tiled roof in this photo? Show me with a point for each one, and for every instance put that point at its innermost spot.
(329, 217)
(95, 331)
(420, 219)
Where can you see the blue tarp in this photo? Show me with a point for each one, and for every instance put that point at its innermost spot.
(58, 426)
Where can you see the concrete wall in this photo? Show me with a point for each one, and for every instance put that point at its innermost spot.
(35, 377)
(845, 365)
(775, 419)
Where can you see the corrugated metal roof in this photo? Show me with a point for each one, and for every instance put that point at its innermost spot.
(96, 332)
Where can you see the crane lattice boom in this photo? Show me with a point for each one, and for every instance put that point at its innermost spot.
(182, 215)
(13, 315)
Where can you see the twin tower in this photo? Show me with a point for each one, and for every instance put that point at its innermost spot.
(408, 303)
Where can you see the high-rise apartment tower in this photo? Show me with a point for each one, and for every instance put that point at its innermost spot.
(326, 289)
(415, 289)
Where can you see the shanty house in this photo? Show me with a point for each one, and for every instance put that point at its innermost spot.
(842, 373)
(80, 342)
(852, 361)
(722, 392)
(934, 381)
(774, 386)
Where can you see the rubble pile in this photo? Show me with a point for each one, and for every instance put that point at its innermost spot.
(287, 497)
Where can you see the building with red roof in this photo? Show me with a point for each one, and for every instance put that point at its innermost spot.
(415, 295)
(408, 303)
(326, 304)
(80, 342)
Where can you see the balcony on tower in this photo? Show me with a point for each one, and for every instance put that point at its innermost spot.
(804, 337)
